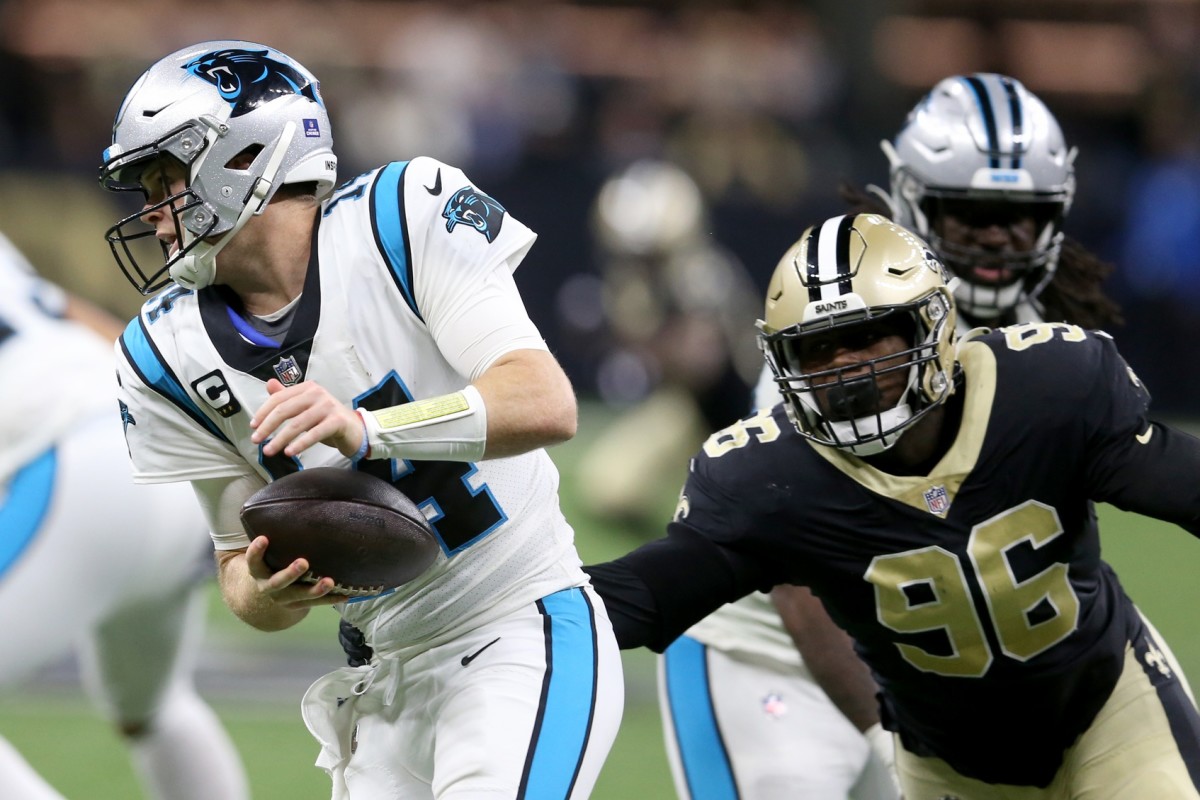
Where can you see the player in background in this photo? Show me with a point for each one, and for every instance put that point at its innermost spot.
(982, 172)
(114, 570)
(375, 326)
(937, 496)
(677, 361)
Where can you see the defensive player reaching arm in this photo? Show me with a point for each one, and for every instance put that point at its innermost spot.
(377, 327)
(937, 496)
(117, 569)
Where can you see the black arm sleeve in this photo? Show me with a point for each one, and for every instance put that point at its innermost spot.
(1135, 464)
(1159, 476)
(661, 589)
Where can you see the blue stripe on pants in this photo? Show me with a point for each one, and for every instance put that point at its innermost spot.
(560, 735)
(25, 506)
(701, 748)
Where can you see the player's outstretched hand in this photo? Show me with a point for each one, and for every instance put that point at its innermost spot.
(294, 418)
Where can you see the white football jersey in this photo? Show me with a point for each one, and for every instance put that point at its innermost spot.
(409, 295)
(51, 367)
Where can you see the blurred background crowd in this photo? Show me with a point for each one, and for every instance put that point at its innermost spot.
(764, 108)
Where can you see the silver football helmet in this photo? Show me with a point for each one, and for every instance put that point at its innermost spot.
(213, 107)
(972, 142)
(846, 283)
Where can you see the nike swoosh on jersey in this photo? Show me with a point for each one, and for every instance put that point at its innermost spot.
(1144, 438)
(436, 189)
(468, 659)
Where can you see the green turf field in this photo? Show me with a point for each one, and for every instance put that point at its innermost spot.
(50, 723)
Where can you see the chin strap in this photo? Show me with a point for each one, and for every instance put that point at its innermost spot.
(198, 267)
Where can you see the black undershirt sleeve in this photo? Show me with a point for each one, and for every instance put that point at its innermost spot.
(656, 592)
(1157, 475)
(1132, 462)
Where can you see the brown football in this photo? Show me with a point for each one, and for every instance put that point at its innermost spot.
(352, 527)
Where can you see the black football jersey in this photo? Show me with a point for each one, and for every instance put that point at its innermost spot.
(976, 593)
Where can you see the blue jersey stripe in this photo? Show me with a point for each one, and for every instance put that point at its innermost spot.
(28, 500)
(390, 228)
(702, 751)
(568, 706)
(144, 357)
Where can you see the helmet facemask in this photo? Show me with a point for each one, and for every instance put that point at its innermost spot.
(192, 264)
(1020, 274)
(846, 406)
(144, 259)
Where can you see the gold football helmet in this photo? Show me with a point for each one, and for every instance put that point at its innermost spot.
(846, 283)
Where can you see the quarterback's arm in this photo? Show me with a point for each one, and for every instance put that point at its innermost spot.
(519, 398)
(828, 652)
(262, 599)
(521, 402)
(529, 402)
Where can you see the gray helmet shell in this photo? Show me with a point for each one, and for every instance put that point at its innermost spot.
(209, 103)
(983, 137)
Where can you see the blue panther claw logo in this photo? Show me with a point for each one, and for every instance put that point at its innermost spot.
(248, 78)
(473, 208)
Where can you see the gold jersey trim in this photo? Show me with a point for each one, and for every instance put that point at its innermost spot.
(979, 365)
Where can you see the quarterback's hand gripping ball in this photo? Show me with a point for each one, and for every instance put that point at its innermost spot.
(352, 527)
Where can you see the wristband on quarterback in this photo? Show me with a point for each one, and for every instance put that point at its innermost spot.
(451, 427)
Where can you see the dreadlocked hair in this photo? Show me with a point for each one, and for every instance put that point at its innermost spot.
(864, 200)
(1074, 294)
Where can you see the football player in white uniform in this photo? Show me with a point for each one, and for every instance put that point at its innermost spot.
(113, 568)
(374, 327)
(982, 172)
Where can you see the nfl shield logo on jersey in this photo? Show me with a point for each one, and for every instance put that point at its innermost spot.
(288, 371)
(937, 501)
(774, 706)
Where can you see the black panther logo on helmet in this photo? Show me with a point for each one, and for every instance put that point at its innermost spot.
(248, 78)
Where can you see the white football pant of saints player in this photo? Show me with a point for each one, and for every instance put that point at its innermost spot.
(90, 562)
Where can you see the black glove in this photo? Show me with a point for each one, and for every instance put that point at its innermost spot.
(354, 644)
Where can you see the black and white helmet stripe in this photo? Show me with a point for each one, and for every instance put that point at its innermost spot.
(1003, 118)
(973, 141)
(829, 271)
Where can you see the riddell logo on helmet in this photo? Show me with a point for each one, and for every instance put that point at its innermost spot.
(836, 305)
